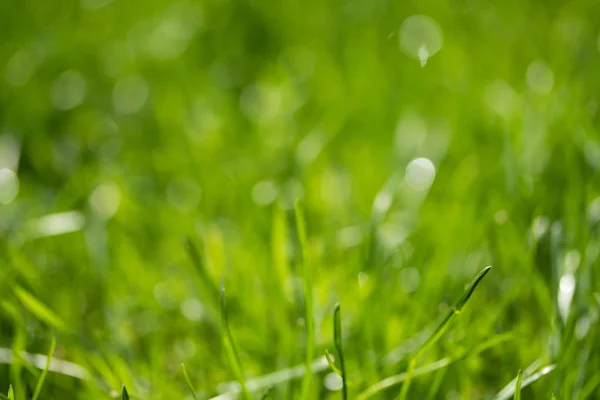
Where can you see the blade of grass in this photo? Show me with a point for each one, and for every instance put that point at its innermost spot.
(198, 261)
(273, 379)
(337, 339)
(442, 328)
(308, 300)
(517, 395)
(11, 394)
(331, 363)
(437, 365)
(40, 382)
(188, 382)
(553, 397)
(124, 394)
(39, 309)
(230, 348)
(509, 389)
(589, 387)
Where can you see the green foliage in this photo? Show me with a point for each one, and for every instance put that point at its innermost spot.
(374, 153)
(42, 378)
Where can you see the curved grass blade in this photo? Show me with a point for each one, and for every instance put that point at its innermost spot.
(308, 300)
(337, 339)
(124, 394)
(442, 328)
(331, 363)
(435, 366)
(39, 309)
(40, 382)
(230, 348)
(517, 395)
(509, 389)
(229, 389)
(188, 382)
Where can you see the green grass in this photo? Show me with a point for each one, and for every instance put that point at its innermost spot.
(306, 154)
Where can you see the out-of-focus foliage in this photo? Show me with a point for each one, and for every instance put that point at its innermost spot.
(425, 139)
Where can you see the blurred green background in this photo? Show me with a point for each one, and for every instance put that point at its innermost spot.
(425, 139)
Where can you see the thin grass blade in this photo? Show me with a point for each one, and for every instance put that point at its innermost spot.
(40, 382)
(435, 366)
(198, 261)
(230, 348)
(39, 309)
(124, 394)
(337, 338)
(308, 300)
(331, 363)
(442, 329)
(188, 382)
(11, 394)
(517, 395)
(509, 390)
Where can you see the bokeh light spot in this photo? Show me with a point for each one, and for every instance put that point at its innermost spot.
(420, 37)
(130, 94)
(68, 90)
(9, 185)
(420, 174)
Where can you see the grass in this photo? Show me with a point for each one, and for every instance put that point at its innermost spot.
(305, 154)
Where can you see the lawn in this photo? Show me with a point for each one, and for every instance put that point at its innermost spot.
(244, 187)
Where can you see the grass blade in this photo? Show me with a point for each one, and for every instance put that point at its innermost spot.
(40, 382)
(188, 382)
(230, 348)
(435, 366)
(518, 385)
(198, 262)
(554, 397)
(308, 300)
(509, 389)
(331, 363)
(337, 338)
(39, 309)
(11, 394)
(124, 394)
(442, 328)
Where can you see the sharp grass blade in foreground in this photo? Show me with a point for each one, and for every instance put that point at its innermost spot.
(331, 363)
(11, 394)
(40, 382)
(188, 382)
(518, 385)
(554, 397)
(509, 389)
(308, 300)
(435, 366)
(124, 394)
(230, 348)
(337, 339)
(442, 328)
